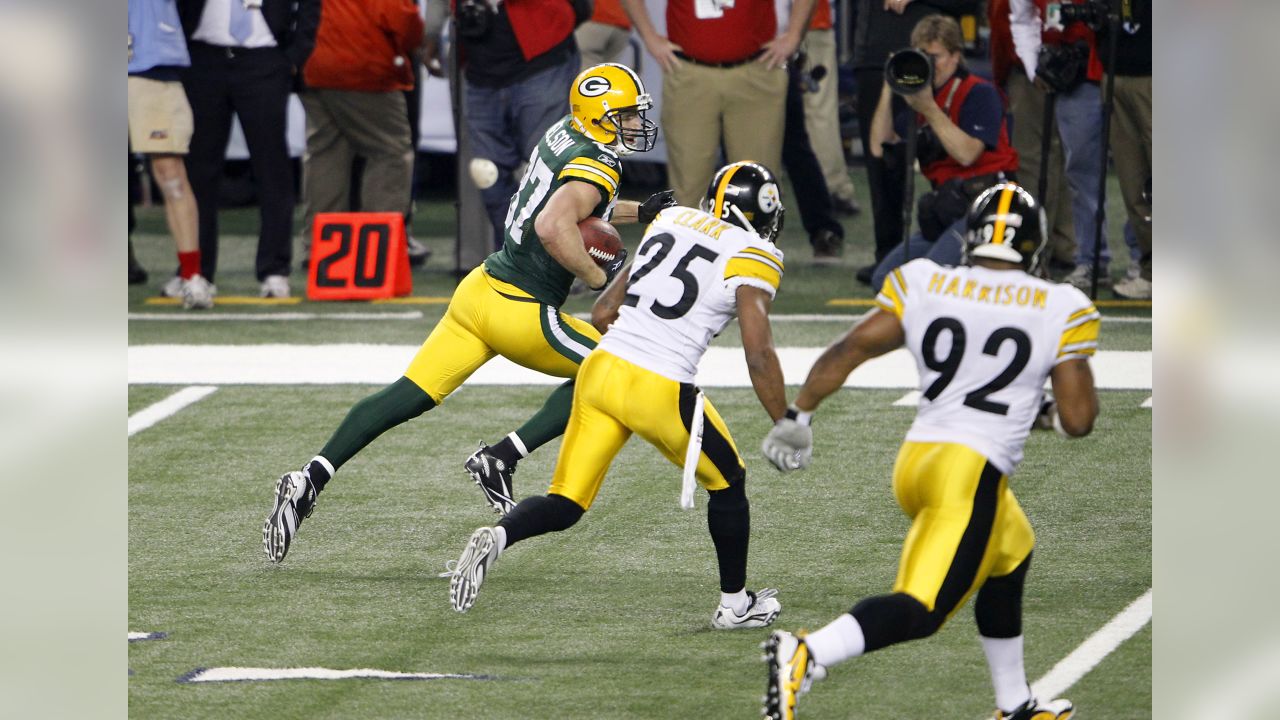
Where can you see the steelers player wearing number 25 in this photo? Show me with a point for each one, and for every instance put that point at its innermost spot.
(985, 335)
(695, 270)
(510, 305)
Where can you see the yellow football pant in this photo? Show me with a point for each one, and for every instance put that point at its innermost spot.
(966, 524)
(488, 317)
(613, 399)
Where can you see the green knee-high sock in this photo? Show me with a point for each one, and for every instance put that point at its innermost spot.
(398, 402)
(549, 422)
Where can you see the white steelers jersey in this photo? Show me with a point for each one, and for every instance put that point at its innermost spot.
(984, 342)
(682, 289)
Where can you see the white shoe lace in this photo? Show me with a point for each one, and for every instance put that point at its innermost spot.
(450, 569)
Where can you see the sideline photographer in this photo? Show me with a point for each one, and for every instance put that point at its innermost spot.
(1058, 49)
(518, 57)
(962, 140)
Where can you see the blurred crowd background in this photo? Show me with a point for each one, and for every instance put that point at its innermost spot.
(340, 105)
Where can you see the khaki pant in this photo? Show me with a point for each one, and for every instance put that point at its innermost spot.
(600, 43)
(1027, 104)
(341, 125)
(744, 107)
(822, 114)
(160, 120)
(1131, 150)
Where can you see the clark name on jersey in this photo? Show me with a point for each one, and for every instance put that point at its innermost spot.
(682, 290)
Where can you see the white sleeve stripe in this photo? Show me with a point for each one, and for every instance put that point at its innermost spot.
(594, 171)
(1074, 356)
(1082, 320)
(762, 260)
(1090, 345)
(881, 297)
(737, 280)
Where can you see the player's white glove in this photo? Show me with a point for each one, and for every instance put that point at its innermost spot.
(789, 445)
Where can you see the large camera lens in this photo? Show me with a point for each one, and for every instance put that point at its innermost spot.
(908, 71)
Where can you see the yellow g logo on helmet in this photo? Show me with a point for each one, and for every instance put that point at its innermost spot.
(608, 104)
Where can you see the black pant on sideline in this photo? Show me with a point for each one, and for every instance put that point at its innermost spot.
(813, 198)
(255, 85)
(884, 184)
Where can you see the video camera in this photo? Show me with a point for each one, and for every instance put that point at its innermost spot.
(909, 71)
(1063, 67)
(475, 17)
(1090, 12)
(809, 76)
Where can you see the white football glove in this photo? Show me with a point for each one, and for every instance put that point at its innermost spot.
(789, 445)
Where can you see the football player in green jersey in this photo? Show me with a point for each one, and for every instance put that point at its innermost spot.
(510, 305)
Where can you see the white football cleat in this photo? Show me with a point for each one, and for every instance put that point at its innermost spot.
(761, 612)
(477, 557)
(295, 500)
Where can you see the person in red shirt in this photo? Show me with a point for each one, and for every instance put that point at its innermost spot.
(355, 103)
(724, 83)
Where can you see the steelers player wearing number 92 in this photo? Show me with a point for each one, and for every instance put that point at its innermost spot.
(695, 270)
(510, 305)
(985, 335)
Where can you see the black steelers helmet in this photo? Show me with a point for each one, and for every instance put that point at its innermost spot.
(747, 195)
(1005, 223)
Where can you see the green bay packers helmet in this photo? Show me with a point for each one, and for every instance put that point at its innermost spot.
(609, 103)
(1005, 223)
(747, 195)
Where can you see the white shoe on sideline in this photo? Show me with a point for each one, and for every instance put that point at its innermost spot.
(172, 287)
(1133, 289)
(1082, 277)
(275, 286)
(197, 293)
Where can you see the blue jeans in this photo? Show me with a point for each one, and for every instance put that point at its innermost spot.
(504, 125)
(944, 251)
(1079, 116)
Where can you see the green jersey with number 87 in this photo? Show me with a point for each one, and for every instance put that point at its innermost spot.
(562, 155)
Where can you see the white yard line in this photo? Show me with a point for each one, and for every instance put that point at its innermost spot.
(1102, 643)
(274, 317)
(850, 317)
(136, 636)
(246, 674)
(153, 414)
(382, 364)
(1146, 403)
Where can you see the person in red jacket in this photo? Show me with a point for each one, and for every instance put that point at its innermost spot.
(355, 104)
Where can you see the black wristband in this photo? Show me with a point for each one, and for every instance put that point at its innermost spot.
(800, 416)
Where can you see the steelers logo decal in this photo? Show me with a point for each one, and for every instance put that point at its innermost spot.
(768, 198)
(593, 86)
